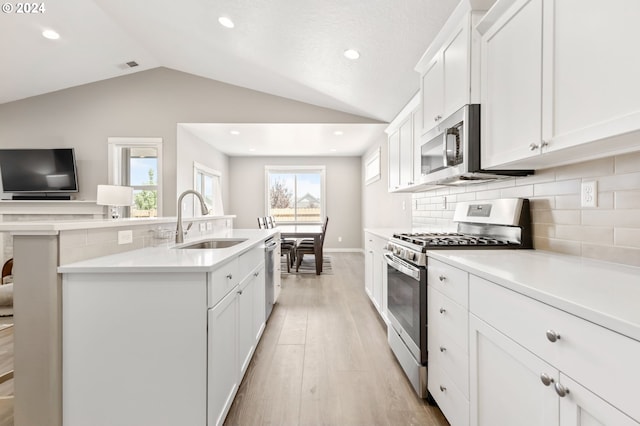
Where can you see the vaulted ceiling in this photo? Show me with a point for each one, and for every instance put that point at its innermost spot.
(289, 48)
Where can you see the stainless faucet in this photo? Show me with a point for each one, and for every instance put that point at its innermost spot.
(203, 208)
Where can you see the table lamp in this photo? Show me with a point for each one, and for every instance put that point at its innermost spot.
(114, 196)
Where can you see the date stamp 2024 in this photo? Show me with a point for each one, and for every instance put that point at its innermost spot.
(23, 8)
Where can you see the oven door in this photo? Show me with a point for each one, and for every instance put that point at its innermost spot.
(407, 304)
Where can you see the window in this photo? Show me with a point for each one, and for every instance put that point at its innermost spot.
(207, 182)
(372, 167)
(295, 194)
(137, 162)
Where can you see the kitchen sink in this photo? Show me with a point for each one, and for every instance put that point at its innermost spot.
(213, 244)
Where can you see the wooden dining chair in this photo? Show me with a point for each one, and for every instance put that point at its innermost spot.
(307, 246)
(271, 223)
(262, 223)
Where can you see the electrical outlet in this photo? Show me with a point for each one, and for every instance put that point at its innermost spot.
(404, 205)
(209, 226)
(339, 239)
(589, 194)
(203, 226)
(125, 237)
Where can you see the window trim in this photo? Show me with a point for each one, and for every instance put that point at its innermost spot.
(206, 170)
(116, 143)
(322, 170)
(369, 160)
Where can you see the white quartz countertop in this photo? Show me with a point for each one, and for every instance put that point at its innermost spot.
(605, 293)
(171, 259)
(54, 226)
(388, 232)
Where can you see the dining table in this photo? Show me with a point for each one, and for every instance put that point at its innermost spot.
(305, 231)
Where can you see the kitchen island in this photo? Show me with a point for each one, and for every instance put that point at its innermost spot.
(161, 335)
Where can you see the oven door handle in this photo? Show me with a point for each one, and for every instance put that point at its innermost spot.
(403, 267)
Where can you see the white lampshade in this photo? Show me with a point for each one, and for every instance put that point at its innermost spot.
(114, 196)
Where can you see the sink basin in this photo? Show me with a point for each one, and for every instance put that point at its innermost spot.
(213, 244)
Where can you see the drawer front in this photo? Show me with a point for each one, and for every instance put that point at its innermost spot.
(452, 358)
(451, 401)
(601, 360)
(452, 282)
(250, 259)
(221, 281)
(448, 317)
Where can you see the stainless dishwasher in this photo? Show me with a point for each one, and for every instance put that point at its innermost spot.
(270, 258)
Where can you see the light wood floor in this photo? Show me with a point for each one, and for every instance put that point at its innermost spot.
(324, 359)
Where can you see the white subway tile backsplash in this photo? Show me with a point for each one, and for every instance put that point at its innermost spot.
(610, 231)
(557, 188)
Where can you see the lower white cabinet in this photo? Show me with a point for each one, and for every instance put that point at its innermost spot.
(375, 276)
(162, 349)
(532, 364)
(223, 366)
(505, 384)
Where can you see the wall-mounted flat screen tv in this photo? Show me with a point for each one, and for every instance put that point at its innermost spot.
(38, 170)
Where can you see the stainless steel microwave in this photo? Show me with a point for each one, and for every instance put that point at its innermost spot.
(450, 153)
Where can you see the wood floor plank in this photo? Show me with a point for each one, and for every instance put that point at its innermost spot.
(324, 359)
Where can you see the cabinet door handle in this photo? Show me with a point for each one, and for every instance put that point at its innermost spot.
(544, 143)
(552, 336)
(239, 291)
(533, 146)
(442, 389)
(442, 278)
(546, 379)
(255, 274)
(443, 349)
(229, 276)
(443, 310)
(561, 390)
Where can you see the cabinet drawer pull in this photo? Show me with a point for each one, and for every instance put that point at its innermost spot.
(229, 276)
(443, 310)
(561, 390)
(239, 291)
(546, 380)
(442, 389)
(255, 274)
(552, 336)
(533, 146)
(442, 278)
(443, 349)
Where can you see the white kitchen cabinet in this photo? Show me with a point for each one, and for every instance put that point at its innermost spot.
(580, 407)
(447, 316)
(511, 87)
(505, 384)
(375, 271)
(251, 316)
(223, 365)
(577, 350)
(449, 69)
(401, 143)
(558, 82)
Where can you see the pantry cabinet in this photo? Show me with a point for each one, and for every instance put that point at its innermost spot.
(558, 82)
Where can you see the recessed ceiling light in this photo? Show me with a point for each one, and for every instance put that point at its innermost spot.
(351, 54)
(234, 132)
(50, 34)
(332, 150)
(338, 133)
(252, 150)
(226, 22)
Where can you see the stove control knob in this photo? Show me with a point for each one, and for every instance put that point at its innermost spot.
(409, 255)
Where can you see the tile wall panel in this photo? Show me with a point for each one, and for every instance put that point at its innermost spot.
(610, 231)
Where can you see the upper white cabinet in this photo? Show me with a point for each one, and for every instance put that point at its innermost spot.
(449, 69)
(558, 82)
(402, 143)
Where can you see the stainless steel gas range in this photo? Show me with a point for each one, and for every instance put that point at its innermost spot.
(497, 224)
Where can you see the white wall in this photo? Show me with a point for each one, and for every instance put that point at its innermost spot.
(191, 148)
(343, 191)
(143, 104)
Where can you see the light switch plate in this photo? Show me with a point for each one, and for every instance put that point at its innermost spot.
(589, 194)
(125, 237)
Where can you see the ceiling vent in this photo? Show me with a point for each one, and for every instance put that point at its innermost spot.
(128, 65)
